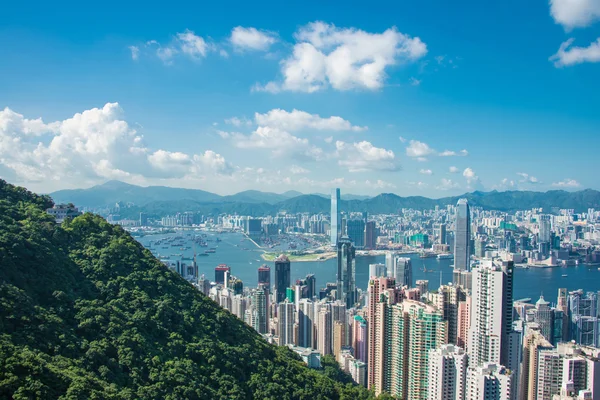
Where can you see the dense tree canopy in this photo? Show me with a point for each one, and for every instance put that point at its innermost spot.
(87, 313)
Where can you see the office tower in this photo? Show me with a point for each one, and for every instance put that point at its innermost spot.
(260, 305)
(204, 285)
(355, 229)
(236, 285)
(346, 272)
(285, 323)
(533, 343)
(491, 313)
(584, 325)
(143, 219)
(464, 323)
(311, 284)
(370, 235)
(544, 229)
(306, 322)
(335, 216)
(447, 373)
(544, 317)
(447, 299)
(400, 268)
(282, 277)
(563, 306)
(324, 330)
(480, 248)
(489, 381)
(359, 338)
(379, 297)
(377, 270)
(462, 236)
(427, 331)
(439, 233)
(220, 271)
(264, 276)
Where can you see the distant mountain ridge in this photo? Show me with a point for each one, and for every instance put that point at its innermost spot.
(158, 201)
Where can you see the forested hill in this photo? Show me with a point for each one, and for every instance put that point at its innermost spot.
(87, 313)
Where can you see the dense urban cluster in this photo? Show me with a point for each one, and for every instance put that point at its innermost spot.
(468, 339)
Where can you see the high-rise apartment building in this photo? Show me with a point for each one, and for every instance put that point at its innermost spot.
(359, 338)
(491, 313)
(346, 272)
(533, 343)
(463, 323)
(306, 323)
(260, 309)
(324, 330)
(335, 216)
(282, 277)
(447, 300)
(285, 323)
(462, 236)
(584, 324)
(447, 373)
(489, 381)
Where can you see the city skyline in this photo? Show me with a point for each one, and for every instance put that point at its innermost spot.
(411, 108)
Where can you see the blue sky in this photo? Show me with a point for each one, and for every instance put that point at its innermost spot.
(431, 98)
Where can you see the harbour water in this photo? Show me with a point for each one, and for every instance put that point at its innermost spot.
(244, 258)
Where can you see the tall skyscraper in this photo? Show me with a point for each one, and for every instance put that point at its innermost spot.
(439, 233)
(282, 277)
(370, 235)
(355, 229)
(447, 373)
(335, 216)
(220, 271)
(400, 268)
(264, 276)
(306, 323)
(447, 300)
(377, 270)
(533, 343)
(491, 313)
(324, 330)
(260, 309)
(462, 236)
(359, 338)
(346, 272)
(285, 323)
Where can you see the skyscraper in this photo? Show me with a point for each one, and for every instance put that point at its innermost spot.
(335, 216)
(264, 276)
(346, 272)
(462, 236)
(489, 382)
(370, 235)
(356, 232)
(285, 323)
(260, 309)
(306, 323)
(400, 268)
(220, 271)
(282, 277)
(447, 373)
(491, 313)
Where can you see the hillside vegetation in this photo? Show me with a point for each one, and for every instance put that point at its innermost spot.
(87, 313)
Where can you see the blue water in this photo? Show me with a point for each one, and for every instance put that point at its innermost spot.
(244, 264)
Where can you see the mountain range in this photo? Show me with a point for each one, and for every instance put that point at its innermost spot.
(158, 201)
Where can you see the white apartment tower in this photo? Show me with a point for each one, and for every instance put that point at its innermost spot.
(447, 373)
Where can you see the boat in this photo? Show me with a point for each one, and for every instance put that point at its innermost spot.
(445, 256)
(202, 255)
(177, 255)
(564, 275)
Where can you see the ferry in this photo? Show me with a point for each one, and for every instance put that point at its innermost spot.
(564, 275)
(445, 256)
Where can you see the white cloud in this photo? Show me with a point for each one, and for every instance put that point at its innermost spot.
(453, 170)
(567, 183)
(421, 159)
(296, 169)
(363, 156)
(343, 58)
(526, 178)
(280, 142)
(238, 122)
(402, 139)
(252, 39)
(471, 177)
(90, 147)
(223, 53)
(328, 139)
(575, 13)
(447, 184)
(449, 153)
(426, 172)
(379, 184)
(419, 185)
(414, 81)
(567, 55)
(418, 149)
(297, 120)
(135, 52)
(191, 44)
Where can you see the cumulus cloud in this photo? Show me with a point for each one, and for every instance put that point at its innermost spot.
(238, 122)
(185, 43)
(471, 177)
(280, 142)
(297, 120)
(568, 55)
(91, 146)
(567, 183)
(453, 170)
(418, 185)
(418, 149)
(426, 172)
(296, 169)
(575, 13)
(414, 81)
(252, 39)
(447, 184)
(402, 139)
(343, 58)
(526, 178)
(363, 156)
(449, 153)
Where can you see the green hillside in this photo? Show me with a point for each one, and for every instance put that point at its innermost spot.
(87, 313)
